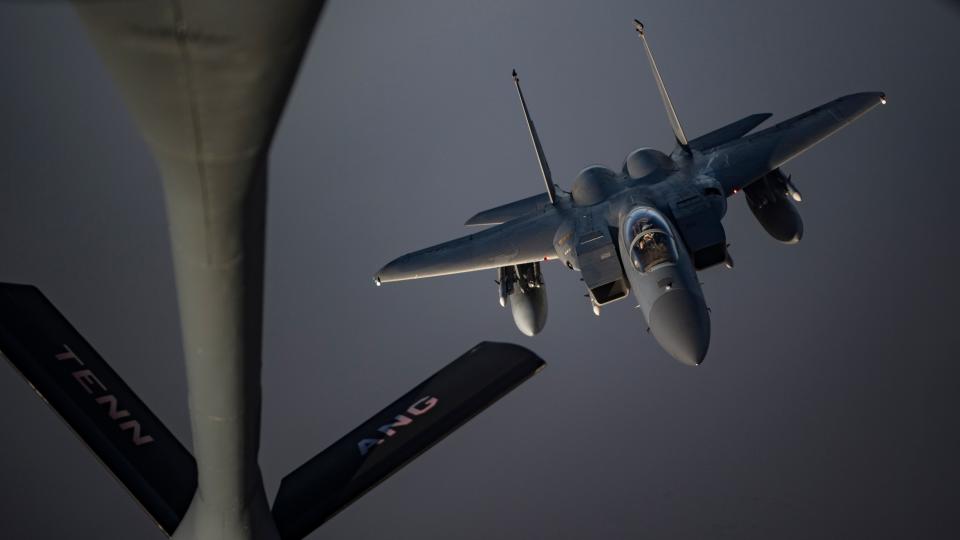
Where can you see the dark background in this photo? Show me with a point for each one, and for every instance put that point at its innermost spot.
(825, 408)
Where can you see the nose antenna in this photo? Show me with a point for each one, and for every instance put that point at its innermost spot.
(667, 104)
(541, 159)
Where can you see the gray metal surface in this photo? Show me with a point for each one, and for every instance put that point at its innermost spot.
(523, 240)
(506, 212)
(206, 83)
(729, 132)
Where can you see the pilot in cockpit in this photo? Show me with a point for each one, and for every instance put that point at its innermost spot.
(651, 244)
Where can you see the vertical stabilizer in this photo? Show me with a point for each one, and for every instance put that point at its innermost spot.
(541, 159)
(667, 104)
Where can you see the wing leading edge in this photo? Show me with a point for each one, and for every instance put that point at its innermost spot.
(524, 240)
(741, 161)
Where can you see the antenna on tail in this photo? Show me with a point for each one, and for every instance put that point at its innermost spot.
(541, 159)
(667, 104)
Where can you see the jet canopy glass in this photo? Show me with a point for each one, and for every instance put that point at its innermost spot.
(647, 237)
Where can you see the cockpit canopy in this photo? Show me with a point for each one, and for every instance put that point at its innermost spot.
(647, 236)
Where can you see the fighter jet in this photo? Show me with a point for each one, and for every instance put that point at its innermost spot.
(648, 228)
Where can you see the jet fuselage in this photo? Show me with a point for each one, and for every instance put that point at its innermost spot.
(667, 292)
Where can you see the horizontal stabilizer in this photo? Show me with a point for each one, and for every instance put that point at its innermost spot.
(69, 375)
(366, 456)
(728, 132)
(506, 212)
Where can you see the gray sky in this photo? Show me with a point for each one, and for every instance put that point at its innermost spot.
(826, 406)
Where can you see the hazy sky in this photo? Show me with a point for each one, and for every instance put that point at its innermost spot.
(826, 406)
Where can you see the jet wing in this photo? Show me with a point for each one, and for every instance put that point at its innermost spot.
(740, 162)
(523, 240)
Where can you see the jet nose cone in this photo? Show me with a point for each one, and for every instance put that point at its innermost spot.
(681, 325)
